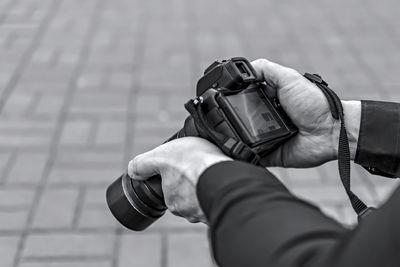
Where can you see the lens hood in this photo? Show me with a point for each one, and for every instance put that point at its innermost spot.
(134, 204)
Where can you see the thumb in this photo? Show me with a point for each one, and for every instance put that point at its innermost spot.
(274, 73)
(143, 166)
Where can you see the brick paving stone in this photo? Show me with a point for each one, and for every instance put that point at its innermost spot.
(96, 218)
(94, 197)
(110, 133)
(90, 81)
(68, 245)
(34, 74)
(190, 249)
(27, 169)
(105, 104)
(89, 158)
(24, 133)
(43, 56)
(11, 197)
(23, 140)
(81, 176)
(8, 249)
(19, 105)
(13, 219)
(48, 106)
(120, 80)
(140, 250)
(42, 86)
(76, 132)
(56, 208)
(146, 103)
(149, 129)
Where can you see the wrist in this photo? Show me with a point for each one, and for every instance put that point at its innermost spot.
(206, 161)
(352, 119)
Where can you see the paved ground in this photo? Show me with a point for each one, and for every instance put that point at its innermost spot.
(87, 84)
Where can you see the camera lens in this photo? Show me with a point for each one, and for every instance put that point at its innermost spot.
(136, 204)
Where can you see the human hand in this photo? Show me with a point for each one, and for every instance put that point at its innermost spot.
(306, 105)
(180, 163)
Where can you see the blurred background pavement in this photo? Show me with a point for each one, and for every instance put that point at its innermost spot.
(87, 84)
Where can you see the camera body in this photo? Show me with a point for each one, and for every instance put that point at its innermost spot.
(233, 109)
(238, 105)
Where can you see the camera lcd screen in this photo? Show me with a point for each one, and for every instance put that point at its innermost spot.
(254, 113)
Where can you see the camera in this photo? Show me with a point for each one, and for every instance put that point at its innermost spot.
(235, 110)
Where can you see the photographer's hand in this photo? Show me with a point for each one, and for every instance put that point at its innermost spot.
(180, 163)
(317, 139)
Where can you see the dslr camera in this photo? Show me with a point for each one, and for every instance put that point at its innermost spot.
(233, 109)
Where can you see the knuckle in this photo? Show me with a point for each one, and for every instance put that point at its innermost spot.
(173, 210)
(292, 76)
(260, 62)
(293, 73)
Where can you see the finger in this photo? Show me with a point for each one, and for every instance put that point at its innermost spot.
(143, 166)
(274, 73)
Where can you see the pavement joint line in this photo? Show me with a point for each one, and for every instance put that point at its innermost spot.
(93, 132)
(84, 258)
(164, 249)
(34, 103)
(78, 206)
(84, 52)
(27, 55)
(9, 165)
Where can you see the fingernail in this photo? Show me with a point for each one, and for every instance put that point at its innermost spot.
(130, 169)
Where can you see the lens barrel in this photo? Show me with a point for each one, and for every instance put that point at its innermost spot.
(136, 204)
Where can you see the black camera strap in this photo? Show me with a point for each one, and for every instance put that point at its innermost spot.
(343, 148)
(230, 146)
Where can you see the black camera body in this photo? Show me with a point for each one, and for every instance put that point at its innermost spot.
(238, 105)
(233, 109)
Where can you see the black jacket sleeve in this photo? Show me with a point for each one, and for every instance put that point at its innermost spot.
(255, 221)
(378, 142)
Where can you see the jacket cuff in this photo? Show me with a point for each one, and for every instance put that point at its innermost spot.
(378, 144)
(223, 176)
